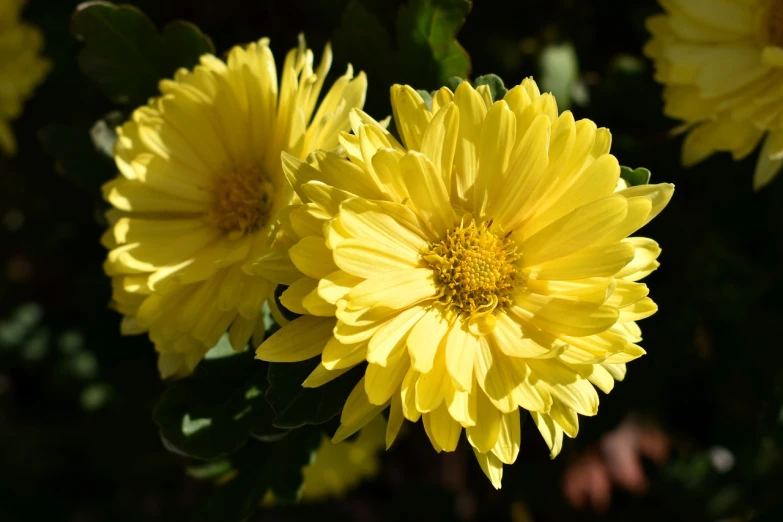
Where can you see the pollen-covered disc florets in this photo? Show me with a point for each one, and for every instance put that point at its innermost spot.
(243, 201)
(475, 268)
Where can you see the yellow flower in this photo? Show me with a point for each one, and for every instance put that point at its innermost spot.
(338, 468)
(21, 67)
(196, 245)
(480, 267)
(722, 64)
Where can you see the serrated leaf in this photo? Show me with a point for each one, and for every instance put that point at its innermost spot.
(126, 55)
(295, 406)
(428, 29)
(495, 84)
(213, 412)
(633, 177)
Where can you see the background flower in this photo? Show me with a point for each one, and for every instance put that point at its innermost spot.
(195, 236)
(21, 67)
(722, 65)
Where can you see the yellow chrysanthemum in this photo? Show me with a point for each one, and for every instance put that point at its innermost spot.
(338, 468)
(21, 67)
(722, 64)
(196, 243)
(480, 267)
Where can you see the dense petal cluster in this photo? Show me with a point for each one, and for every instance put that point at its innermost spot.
(481, 266)
(196, 245)
(21, 67)
(722, 64)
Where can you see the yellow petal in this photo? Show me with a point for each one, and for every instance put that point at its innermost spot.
(393, 290)
(574, 231)
(389, 341)
(321, 376)
(337, 356)
(461, 348)
(395, 419)
(312, 258)
(367, 257)
(425, 338)
(381, 382)
(440, 141)
(491, 466)
(509, 438)
(484, 435)
(595, 261)
(565, 385)
(357, 413)
(410, 114)
(498, 134)
(472, 111)
(462, 405)
(551, 432)
(389, 223)
(564, 316)
(301, 339)
(445, 430)
(427, 192)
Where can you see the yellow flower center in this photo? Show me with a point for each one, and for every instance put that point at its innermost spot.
(475, 268)
(244, 201)
(772, 23)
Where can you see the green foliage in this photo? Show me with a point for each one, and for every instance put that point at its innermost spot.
(633, 177)
(256, 469)
(126, 55)
(419, 48)
(427, 38)
(75, 158)
(213, 412)
(496, 86)
(296, 406)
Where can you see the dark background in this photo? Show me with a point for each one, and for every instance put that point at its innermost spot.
(76, 440)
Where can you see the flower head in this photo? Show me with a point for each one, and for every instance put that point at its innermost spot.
(480, 267)
(722, 65)
(196, 245)
(21, 67)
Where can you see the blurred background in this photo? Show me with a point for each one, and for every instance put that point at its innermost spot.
(694, 433)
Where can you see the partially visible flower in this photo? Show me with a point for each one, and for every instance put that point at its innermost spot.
(21, 67)
(480, 267)
(338, 468)
(722, 64)
(196, 245)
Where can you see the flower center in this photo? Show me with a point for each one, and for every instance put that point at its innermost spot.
(772, 23)
(244, 201)
(475, 268)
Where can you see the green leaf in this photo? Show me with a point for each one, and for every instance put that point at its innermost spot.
(260, 468)
(640, 176)
(426, 96)
(295, 406)
(126, 55)
(496, 86)
(453, 82)
(213, 412)
(75, 157)
(427, 38)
